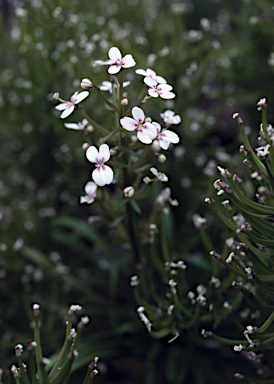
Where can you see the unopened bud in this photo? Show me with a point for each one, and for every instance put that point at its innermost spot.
(129, 191)
(87, 84)
(124, 101)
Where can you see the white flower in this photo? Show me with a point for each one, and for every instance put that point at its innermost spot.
(149, 73)
(146, 132)
(90, 189)
(107, 85)
(263, 151)
(102, 174)
(68, 106)
(170, 118)
(165, 137)
(77, 126)
(156, 90)
(159, 175)
(117, 62)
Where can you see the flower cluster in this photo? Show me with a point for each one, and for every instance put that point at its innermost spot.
(134, 121)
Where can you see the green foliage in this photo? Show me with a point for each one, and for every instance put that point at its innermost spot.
(49, 252)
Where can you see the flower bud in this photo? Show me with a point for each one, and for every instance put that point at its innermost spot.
(129, 191)
(87, 84)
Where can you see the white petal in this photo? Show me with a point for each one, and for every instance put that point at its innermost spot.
(114, 54)
(80, 97)
(157, 126)
(164, 87)
(128, 61)
(138, 114)
(102, 175)
(62, 106)
(153, 93)
(104, 153)
(67, 112)
(113, 69)
(160, 80)
(128, 123)
(72, 126)
(90, 188)
(170, 136)
(154, 171)
(150, 82)
(141, 72)
(92, 154)
(167, 95)
(147, 133)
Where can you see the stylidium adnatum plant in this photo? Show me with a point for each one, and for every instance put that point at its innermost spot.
(244, 267)
(125, 153)
(57, 370)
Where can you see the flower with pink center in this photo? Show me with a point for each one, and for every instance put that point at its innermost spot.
(90, 190)
(156, 90)
(107, 85)
(77, 126)
(68, 106)
(165, 136)
(149, 73)
(102, 174)
(117, 62)
(146, 131)
(170, 118)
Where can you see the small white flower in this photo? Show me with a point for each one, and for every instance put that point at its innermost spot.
(107, 85)
(156, 90)
(77, 126)
(146, 132)
(149, 73)
(263, 151)
(117, 62)
(102, 174)
(159, 175)
(90, 189)
(261, 104)
(68, 106)
(170, 118)
(165, 137)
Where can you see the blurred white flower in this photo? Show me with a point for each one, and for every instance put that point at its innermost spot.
(90, 190)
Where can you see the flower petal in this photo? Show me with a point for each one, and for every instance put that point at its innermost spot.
(114, 54)
(167, 95)
(62, 106)
(128, 123)
(80, 97)
(141, 72)
(150, 82)
(90, 188)
(147, 133)
(172, 137)
(92, 154)
(104, 153)
(153, 92)
(138, 114)
(102, 175)
(113, 69)
(74, 126)
(128, 61)
(68, 111)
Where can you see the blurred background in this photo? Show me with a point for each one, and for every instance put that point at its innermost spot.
(219, 55)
